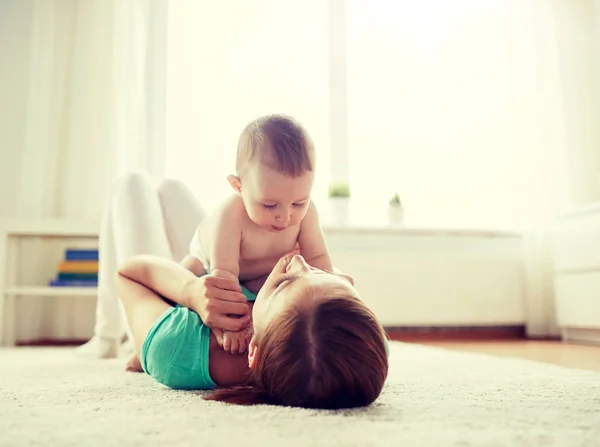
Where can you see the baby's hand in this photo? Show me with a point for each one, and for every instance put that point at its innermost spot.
(218, 333)
(237, 342)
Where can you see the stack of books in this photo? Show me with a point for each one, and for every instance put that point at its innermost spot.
(78, 269)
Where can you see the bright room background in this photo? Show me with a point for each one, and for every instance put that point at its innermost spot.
(480, 114)
(474, 111)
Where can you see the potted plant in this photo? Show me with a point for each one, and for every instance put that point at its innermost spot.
(396, 210)
(339, 197)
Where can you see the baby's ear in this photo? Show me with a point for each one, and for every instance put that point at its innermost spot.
(252, 351)
(235, 183)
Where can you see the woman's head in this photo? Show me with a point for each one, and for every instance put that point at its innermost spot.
(316, 344)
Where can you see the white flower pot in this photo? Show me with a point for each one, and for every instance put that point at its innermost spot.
(396, 215)
(339, 209)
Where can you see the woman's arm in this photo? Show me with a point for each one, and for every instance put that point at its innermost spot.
(211, 297)
(194, 265)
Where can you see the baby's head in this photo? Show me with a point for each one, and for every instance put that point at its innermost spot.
(315, 344)
(275, 171)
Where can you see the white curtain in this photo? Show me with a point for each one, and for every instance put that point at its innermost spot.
(558, 132)
(94, 102)
(88, 85)
(539, 139)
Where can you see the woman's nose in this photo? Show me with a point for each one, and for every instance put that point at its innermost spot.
(298, 265)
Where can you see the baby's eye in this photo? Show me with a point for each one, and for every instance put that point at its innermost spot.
(300, 205)
(269, 207)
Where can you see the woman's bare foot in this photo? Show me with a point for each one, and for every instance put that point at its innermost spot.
(133, 364)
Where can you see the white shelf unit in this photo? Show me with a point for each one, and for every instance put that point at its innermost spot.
(52, 232)
(50, 291)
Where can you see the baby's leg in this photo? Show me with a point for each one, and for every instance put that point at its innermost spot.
(132, 224)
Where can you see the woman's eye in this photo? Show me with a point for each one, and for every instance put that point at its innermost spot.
(280, 281)
(269, 207)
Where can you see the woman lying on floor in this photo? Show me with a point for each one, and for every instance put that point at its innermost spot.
(314, 343)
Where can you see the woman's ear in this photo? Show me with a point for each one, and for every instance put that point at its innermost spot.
(235, 183)
(252, 351)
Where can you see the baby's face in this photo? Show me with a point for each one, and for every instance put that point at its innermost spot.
(273, 200)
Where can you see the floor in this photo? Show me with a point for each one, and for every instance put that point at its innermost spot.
(578, 356)
(569, 355)
(432, 397)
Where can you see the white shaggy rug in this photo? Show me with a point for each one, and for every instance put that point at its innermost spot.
(49, 397)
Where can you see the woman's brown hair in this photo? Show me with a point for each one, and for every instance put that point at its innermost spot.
(331, 355)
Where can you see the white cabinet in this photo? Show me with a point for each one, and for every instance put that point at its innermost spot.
(431, 278)
(576, 253)
(30, 250)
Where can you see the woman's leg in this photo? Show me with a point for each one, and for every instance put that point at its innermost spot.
(181, 214)
(132, 224)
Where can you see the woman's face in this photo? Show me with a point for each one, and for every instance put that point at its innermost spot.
(292, 282)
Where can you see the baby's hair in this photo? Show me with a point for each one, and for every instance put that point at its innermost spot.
(278, 141)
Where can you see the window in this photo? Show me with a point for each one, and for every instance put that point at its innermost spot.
(453, 105)
(429, 109)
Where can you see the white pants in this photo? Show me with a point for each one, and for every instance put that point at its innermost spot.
(140, 219)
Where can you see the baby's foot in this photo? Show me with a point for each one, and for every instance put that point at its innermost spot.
(99, 348)
(133, 364)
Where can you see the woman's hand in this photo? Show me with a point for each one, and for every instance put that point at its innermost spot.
(219, 301)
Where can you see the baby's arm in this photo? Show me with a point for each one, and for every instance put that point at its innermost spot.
(312, 241)
(224, 261)
(225, 241)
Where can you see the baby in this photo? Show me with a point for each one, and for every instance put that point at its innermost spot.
(270, 214)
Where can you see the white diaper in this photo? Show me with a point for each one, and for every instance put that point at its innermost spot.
(196, 251)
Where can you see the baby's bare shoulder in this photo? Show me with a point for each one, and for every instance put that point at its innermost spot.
(232, 207)
(231, 211)
(233, 214)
